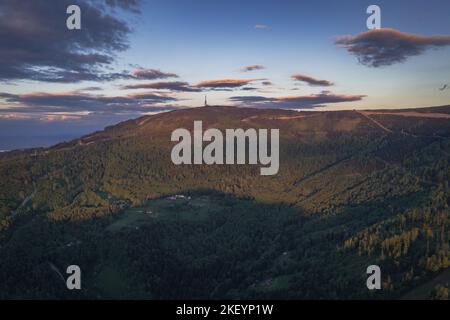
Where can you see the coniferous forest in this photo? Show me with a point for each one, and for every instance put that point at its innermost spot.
(354, 189)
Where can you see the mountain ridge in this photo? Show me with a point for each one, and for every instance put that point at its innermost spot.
(353, 190)
(245, 113)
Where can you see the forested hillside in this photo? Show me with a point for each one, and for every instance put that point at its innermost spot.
(354, 188)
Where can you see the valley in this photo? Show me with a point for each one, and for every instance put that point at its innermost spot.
(353, 189)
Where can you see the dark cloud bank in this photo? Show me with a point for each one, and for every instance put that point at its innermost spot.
(384, 47)
(226, 83)
(179, 86)
(36, 45)
(294, 102)
(311, 81)
(79, 101)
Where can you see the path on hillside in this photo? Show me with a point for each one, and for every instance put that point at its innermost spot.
(25, 201)
(413, 114)
(56, 270)
(277, 117)
(320, 170)
(423, 291)
(367, 115)
(378, 124)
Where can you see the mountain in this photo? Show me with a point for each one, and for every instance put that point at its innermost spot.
(354, 188)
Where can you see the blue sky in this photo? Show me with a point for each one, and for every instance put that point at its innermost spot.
(193, 42)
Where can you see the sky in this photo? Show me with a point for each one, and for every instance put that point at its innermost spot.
(132, 58)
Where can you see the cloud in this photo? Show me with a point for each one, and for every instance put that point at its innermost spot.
(181, 86)
(312, 81)
(149, 97)
(252, 99)
(252, 68)
(262, 27)
(384, 47)
(163, 85)
(152, 74)
(91, 89)
(292, 102)
(36, 45)
(76, 101)
(61, 117)
(226, 83)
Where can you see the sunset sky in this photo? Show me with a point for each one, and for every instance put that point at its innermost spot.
(136, 57)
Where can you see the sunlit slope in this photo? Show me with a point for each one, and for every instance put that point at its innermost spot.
(354, 187)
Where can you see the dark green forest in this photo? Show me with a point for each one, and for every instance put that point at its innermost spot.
(349, 193)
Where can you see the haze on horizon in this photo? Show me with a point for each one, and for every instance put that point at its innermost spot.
(135, 57)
